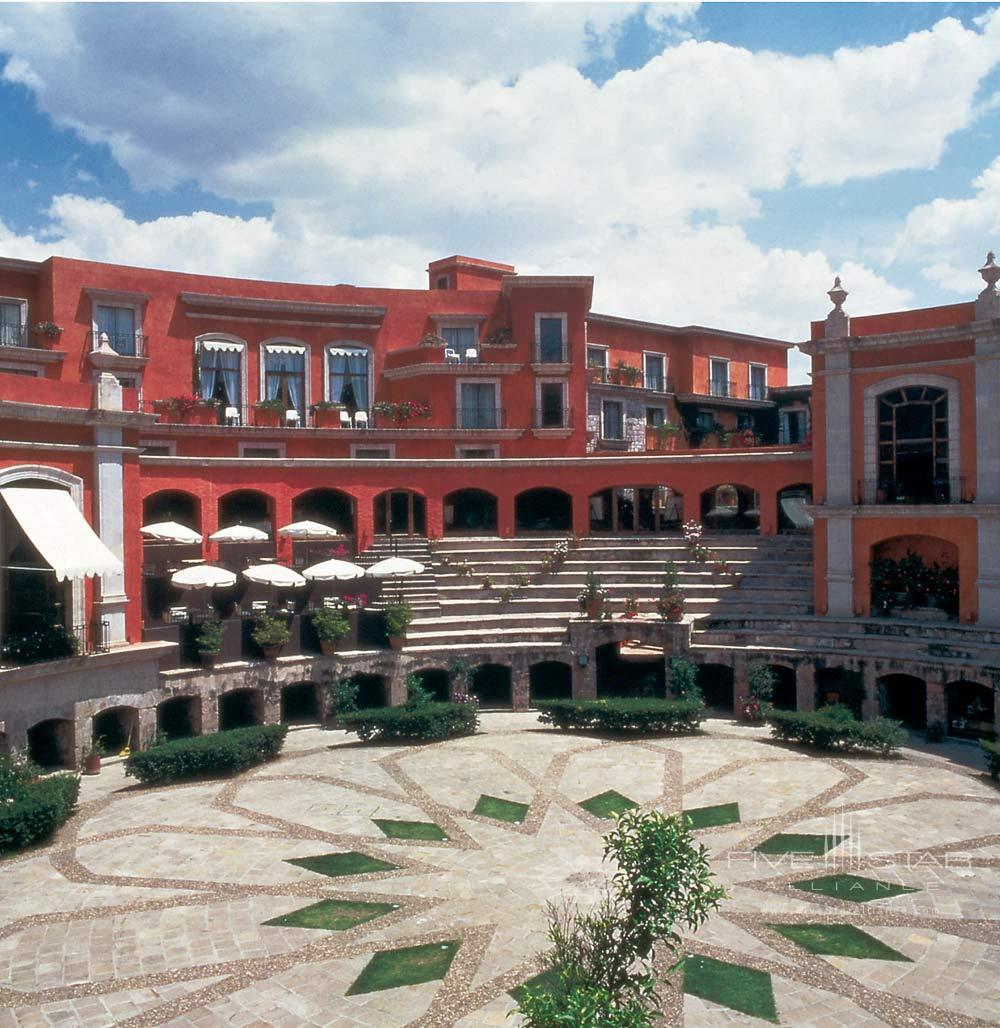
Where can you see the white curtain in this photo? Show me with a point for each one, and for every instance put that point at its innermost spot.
(221, 368)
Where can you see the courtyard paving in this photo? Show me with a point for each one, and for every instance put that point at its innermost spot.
(150, 907)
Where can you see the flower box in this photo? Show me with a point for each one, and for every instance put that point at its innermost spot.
(266, 417)
(327, 417)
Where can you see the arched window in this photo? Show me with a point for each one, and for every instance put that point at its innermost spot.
(348, 377)
(285, 375)
(220, 371)
(913, 445)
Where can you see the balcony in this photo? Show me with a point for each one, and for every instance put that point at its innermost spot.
(552, 418)
(480, 418)
(631, 377)
(123, 344)
(49, 642)
(14, 335)
(932, 492)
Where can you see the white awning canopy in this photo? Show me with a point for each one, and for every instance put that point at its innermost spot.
(53, 522)
(396, 567)
(274, 574)
(203, 576)
(333, 571)
(221, 346)
(298, 348)
(239, 534)
(307, 530)
(171, 532)
(348, 351)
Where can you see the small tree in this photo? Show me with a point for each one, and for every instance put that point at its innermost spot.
(604, 958)
(416, 694)
(684, 679)
(342, 696)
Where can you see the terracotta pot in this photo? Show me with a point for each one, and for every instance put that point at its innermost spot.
(326, 418)
(208, 657)
(201, 415)
(92, 764)
(832, 697)
(271, 652)
(397, 642)
(266, 418)
(594, 608)
(328, 647)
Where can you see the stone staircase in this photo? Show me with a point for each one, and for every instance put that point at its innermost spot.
(419, 591)
(776, 582)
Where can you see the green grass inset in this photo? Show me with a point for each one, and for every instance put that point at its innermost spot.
(739, 988)
(336, 865)
(413, 965)
(426, 831)
(812, 845)
(712, 817)
(500, 809)
(547, 981)
(608, 804)
(332, 915)
(839, 940)
(852, 887)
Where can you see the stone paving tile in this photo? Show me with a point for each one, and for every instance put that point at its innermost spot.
(489, 883)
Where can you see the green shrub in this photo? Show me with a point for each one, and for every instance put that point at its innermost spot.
(270, 631)
(991, 750)
(761, 680)
(424, 721)
(828, 729)
(623, 715)
(343, 696)
(684, 679)
(218, 754)
(209, 637)
(34, 810)
(397, 619)
(331, 623)
(50, 643)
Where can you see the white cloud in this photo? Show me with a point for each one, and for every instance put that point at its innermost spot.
(947, 236)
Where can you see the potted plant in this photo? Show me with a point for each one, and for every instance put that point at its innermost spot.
(432, 339)
(48, 329)
(748, 437)
(631, 608)
(269, 413)
(92, 757)
(326, 414)
(501, 337)
(592, 596)
(670, 602)
(662, 437)
(208, 641)
(400, 413)
(331, 625)
(598, 373)
(270, 634)
(187, 408)
(397, 620)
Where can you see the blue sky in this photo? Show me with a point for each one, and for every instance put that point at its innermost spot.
(711, 163)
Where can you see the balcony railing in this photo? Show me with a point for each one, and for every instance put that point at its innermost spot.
(546, 417)
(733, 391)
(881, 491)
(552, 354)
(13, 335)
(125, 344)
(480, 417)
(47, 642)
(635, 379)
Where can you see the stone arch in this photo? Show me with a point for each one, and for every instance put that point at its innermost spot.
(886, 585)
(251, 507)
(240, 708)
(435, 680)
(115, 728)
(730, 507)
(717, 686)
(333, 507)
(492, 686)
(373, 690)
(971, 709)
(51, 743)
(784, 697)
(172, 505)
(636, 508)
(301, 703)
(620, 673)
(179, 717)
(400, 512)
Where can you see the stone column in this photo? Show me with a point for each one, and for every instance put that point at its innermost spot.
(209, 712)
(937, 706)
(271, 692)
(988, 582)
(837, 429)
(147, 727)
(519, 685)
(109, 508)
(585, 679)
(840, 566)
(396, 686)
(987, 364)
(871, 705)
(805, 687)
(741, 687)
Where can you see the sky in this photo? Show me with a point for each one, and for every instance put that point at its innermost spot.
(713, 164)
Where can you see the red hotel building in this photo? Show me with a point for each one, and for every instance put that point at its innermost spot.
(473, 424)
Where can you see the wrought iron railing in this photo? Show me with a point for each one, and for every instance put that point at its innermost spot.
(881, 491)
(125, 344)
(480, 417)
(13, 335)
(546, 417)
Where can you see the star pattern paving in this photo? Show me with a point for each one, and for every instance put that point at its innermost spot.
(151, 906)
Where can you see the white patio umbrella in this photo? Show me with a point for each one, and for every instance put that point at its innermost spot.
(333, 571)
(239, 534)
(170, 532)
(396, 567)
(274, 574)
(308, 530)
(203, 576)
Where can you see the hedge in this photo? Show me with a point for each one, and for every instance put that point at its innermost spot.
(218, 754)
(426, 721)
(624, 715)
(992, 752)
(831, 732)
(36, 810)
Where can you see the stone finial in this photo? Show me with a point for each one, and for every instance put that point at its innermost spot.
(838, 324)
(838, 294)
(988, 301)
